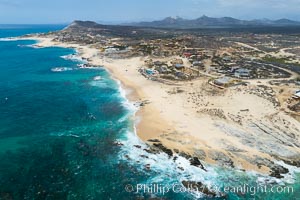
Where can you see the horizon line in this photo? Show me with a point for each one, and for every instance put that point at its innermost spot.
(121, 22)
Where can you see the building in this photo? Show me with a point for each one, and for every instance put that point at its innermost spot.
(179, 66)
(163, 69)
(227, 59)
(158, 63)
(242, 73)
(297, 95)
(180, 75)
(233, 69)
(187, 54)
(150, 71)
(224, 81)
(197, 63)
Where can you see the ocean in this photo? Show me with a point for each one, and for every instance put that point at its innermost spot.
(68, 133)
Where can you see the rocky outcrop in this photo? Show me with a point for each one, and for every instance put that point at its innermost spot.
(293, 162)
(161, 147)
(278, 170)
(153, 140)
(198, 187)
(196, 162)
(157, 147)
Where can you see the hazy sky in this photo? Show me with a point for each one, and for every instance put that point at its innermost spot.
(64, 11)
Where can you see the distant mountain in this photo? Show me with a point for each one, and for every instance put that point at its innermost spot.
(204, 21)
(80, 29)
(286, 21)
(78, 23)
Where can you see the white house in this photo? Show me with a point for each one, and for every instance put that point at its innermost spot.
(297, 94)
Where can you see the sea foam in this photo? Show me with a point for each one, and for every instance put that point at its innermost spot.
(30, 46)
(7, 39)
(74, 57)
(61, 69)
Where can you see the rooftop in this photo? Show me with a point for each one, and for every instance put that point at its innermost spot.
(224, 80)
(297, 94)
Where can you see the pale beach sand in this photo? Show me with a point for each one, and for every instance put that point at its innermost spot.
(233, 126)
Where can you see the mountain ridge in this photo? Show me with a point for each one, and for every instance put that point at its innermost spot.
(205, 21)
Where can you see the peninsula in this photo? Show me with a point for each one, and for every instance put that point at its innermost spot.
(224, 97)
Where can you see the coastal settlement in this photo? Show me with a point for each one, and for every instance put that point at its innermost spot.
(226, 98)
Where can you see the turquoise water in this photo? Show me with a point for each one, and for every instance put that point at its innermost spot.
(59, 128)
(60, 132)
(7, 30)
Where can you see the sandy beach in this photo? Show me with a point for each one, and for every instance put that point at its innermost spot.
(239, 127)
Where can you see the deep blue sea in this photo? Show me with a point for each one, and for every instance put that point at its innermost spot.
(68, 133)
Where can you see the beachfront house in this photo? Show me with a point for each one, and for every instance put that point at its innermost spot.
(297, 95)
(223, 81)
(150, 72)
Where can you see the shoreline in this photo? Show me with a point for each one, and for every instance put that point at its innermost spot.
(144, 122)
(156, 121)
(134, 93)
